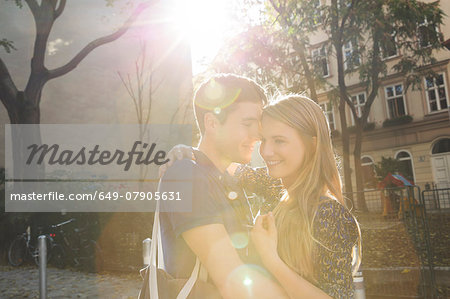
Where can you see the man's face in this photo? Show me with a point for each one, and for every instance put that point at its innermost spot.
(236, 137)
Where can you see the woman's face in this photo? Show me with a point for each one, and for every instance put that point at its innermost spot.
(282, 149)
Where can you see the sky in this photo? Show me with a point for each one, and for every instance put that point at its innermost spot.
(208, 24)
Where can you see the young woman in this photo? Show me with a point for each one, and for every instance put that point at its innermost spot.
(307, 242)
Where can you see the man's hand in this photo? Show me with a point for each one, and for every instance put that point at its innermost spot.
(234, 279)
(178, 152)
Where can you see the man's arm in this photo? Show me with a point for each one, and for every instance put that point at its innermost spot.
(232, 277)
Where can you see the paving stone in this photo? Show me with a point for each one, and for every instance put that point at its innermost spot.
(23, 282)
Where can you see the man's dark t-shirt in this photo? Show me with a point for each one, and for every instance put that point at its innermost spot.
(215, 200)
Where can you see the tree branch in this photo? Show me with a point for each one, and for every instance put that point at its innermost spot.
(60, 8)
(53, 3)
(72, 64)
(44, 19)
(34, 6)
(8, 90)
(276, 7)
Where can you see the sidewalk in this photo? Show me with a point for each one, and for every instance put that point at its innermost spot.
(23, 282)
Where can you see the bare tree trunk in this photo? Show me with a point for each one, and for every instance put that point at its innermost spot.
(361, 201)
(301, 50)
(361, 121)
(27, 112)
(299, 47)
(337, 37)
(348, 186)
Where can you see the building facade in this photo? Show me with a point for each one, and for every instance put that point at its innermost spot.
(410, 125)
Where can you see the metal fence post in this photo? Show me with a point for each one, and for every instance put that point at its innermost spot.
(146, 251)
(42, 245)
(358, 282)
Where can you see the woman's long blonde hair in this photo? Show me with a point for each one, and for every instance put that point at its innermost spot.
(318, 176)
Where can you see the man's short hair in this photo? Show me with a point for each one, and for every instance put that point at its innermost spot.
(221, 92)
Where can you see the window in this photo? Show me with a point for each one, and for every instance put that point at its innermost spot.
(351, 56)
(405, 163)
(395, 100)
(389, 46)
(359, 100)
(328, 110)
(320, 61)
(368, 172)
(436, 93)
(426, 33)
(442, 146)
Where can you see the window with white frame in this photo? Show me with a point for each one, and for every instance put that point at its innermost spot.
(320, 61)
(389, 46)
(351, 56)
(395, 100)
(328, 110)
(368, 172)
(426, 32)
(406, 166)
(359, 100)
(436, 90)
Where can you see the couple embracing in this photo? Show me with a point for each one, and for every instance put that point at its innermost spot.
(305, 246)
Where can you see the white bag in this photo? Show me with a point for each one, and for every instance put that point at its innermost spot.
(156, 250)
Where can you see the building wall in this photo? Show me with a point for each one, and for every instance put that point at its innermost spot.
(417, 137)
(93, 93)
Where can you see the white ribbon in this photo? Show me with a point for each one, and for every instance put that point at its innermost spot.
(156, 250)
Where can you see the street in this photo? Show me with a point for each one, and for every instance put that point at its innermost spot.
(23, 282)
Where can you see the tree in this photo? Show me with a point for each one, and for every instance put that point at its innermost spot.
(389, 165)
(23, 105)
(299, 19)
(141, 90)
(373, 28)
(382, 25)
(274, 51)
(253, 54)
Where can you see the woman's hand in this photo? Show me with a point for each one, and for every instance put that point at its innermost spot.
(178, 152)
(265, 237)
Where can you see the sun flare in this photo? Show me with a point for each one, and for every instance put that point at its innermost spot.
(206, 24)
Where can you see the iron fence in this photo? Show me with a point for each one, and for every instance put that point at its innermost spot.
(437, 199)
(437, 203)
(398, 245)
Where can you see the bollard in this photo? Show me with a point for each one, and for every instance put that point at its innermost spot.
(146, 251)
(358, 282)
(42, 247)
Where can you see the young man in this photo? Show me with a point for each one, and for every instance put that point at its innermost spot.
(228, 110)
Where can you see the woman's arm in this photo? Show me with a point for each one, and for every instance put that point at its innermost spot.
(264, 236)
(336, 232)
